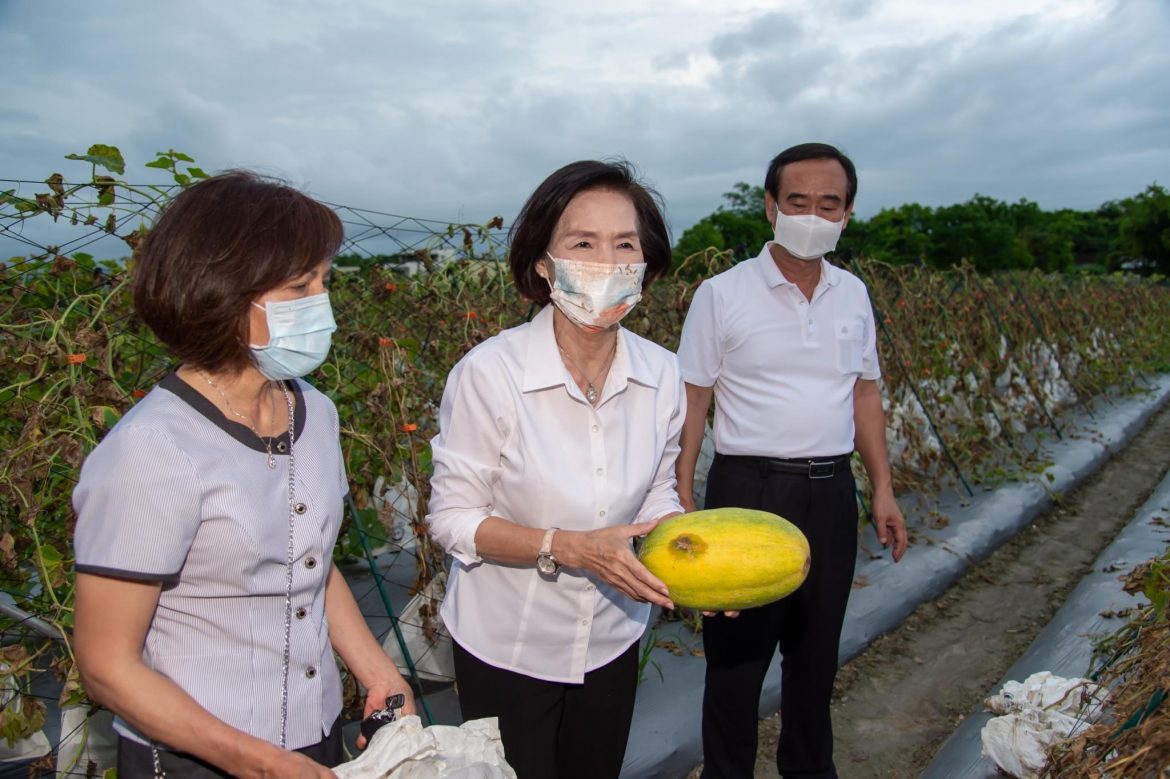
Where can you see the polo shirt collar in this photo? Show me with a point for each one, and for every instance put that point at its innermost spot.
(830, 274)
(544, 368)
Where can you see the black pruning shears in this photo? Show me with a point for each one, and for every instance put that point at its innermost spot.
(382, 717)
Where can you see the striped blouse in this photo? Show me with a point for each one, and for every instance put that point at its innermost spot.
(178, 494)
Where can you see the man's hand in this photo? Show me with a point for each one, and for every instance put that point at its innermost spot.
(889, 524)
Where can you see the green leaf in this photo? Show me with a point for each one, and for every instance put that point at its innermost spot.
(178, 155)
(197, 173)
(110, 417)
(162, 163)
(103, 156)
(183, 179)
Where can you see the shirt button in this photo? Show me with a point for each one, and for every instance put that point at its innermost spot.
(584, 622)
(301, 612)
(589, 588)
(596, 428)
(281, 447)
(310, 672)
(600, 471)
(310, 563)
(300, 508)
(601, 513)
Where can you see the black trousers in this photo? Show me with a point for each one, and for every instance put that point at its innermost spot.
(552, 730)
(806, 626)
(135, 760)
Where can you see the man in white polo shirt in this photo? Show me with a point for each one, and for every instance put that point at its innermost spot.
(785, 343)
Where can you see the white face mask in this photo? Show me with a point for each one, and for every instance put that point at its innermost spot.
(299, 334)
(595, 294)
(807, 236)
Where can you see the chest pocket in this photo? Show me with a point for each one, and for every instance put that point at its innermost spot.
(850, 340)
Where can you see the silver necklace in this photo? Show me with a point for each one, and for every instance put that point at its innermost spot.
(288, 570)
(590, 390)
(285, 656)
(246, 419)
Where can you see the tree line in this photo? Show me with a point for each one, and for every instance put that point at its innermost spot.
(1130, 234)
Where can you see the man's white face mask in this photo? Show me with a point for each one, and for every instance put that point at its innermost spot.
(807, 236)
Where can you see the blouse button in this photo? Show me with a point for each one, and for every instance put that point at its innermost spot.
(301, 612)
(596, 428)
(281, 446)
(584, 622)
(600, 471)
(310, 563)
(601, 513)
(300, 508)
(310, 672)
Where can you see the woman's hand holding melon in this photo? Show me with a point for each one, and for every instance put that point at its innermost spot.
(609, 554)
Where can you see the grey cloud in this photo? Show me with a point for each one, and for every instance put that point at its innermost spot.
(445, 110)
(765, 33)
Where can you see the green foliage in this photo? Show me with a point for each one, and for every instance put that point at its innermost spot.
(738, 226)
(169, 161)
(1145, 229)
(989, 234)
(102, 156)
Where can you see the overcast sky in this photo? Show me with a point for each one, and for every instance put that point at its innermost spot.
(456, 110)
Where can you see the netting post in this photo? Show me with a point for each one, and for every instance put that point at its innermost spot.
(353, 516)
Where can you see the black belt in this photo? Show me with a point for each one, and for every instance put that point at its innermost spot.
(810, 467)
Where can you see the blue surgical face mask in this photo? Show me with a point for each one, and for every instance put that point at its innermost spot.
(299, 333)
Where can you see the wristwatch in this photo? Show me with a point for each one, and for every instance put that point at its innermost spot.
(545, 562)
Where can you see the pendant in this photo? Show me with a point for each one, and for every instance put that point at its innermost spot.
(271, 462)
(591, 393)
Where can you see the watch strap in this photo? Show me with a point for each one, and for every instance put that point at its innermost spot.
(546, 543)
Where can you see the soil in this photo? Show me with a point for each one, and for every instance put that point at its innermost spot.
(895, 704)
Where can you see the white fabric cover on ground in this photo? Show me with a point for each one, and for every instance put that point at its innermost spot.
(406, 750)
(1037, 713)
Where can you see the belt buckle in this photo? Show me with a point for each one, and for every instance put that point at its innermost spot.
(822, 470)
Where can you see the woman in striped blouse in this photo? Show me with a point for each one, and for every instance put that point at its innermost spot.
(208, 610)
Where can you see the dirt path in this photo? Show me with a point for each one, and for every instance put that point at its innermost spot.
(896, 703)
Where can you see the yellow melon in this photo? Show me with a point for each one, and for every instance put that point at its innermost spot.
(727, 559)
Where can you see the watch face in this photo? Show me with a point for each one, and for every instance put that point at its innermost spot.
(546, 565)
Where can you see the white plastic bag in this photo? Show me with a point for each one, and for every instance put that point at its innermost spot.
(404, 749)
(1037, 713)
(37, 744)
(434, 657)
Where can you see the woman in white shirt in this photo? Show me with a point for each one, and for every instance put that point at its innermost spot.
(208, 611)
(556, 448)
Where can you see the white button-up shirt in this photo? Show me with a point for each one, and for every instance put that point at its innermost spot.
(783, 367)
(518, 440)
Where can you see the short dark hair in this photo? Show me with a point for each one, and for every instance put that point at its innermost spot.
(217, 246)
(811, 151)
(532, 231)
